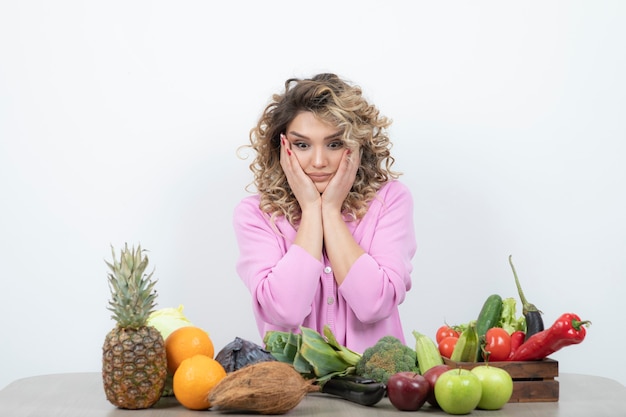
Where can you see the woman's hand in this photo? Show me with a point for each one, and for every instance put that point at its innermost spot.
(343, 180)
(302, 186)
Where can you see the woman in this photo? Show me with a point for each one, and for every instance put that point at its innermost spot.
(328, 237)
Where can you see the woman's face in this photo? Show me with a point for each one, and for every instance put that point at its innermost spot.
(318, 147)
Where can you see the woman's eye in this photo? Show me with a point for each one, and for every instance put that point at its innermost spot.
(301, 145)
(336, 144)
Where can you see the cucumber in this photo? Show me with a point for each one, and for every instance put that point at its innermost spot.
(489, 315)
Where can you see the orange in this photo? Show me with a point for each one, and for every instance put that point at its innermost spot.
(194, 379)
(184, 343)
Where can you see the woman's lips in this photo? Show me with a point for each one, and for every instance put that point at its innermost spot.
(319, 177)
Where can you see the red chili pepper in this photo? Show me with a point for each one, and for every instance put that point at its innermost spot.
(566, 330)
(517, 339)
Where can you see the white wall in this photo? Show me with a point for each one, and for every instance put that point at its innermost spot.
(119, 123)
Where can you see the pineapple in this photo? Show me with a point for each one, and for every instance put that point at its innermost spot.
(134, 363)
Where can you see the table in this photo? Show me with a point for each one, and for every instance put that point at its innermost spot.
(82, 395)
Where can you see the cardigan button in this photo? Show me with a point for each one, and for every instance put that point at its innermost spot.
(328, 270)
(330, 300)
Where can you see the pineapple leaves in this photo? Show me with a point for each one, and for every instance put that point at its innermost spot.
(133, 296)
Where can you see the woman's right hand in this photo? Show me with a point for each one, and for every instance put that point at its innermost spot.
(301, 185)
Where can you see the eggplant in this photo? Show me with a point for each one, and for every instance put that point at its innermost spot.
(534, 321)
(354, 388)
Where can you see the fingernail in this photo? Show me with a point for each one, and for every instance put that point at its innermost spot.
(282, 139)
(288, 151)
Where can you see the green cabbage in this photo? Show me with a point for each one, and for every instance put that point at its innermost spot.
(166, 320)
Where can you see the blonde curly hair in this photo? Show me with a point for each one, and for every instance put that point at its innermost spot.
(340, 104)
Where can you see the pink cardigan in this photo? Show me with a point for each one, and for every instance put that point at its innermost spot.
(290, 288)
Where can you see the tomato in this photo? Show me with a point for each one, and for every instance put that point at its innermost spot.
(498, 344)
(445, 331)
(446, 346)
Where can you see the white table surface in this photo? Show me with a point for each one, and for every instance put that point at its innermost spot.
(82, 395)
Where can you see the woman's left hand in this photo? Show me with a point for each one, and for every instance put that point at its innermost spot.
(342, 182)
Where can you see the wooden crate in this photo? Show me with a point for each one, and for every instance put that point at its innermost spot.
(533, 381)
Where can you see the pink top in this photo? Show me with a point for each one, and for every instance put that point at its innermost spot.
(290, 288)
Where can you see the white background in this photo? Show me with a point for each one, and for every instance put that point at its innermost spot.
(120, 120)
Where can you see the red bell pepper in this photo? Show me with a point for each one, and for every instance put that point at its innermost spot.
(565, 331)
(517, 339)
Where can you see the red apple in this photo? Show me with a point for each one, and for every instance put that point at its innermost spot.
(407, 391)
(431, 376)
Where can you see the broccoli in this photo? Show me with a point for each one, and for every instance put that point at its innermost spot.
(387, 357)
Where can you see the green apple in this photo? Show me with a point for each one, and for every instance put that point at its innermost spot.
(496, 384)
(458, 391)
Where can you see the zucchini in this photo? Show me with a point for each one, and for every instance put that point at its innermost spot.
(354, 388)
(427, 352)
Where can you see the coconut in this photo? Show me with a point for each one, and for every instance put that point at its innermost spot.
(263, 388)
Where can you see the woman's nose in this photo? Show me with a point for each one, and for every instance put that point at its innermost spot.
(319, 158)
